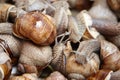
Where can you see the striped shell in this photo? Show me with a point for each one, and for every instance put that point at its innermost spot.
(35, 26)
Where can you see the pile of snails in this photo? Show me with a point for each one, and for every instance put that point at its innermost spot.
(59, 40)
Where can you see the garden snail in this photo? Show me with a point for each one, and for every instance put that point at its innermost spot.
(56, 76)
(103, 74)
(35, 26)
(26, 76)
(101, 6)
(84, 57)
(34, 58)
(110, 56)
(105, 22)
(5, 61)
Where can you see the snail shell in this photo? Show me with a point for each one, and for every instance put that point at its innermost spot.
(80, 4)
(4, 11)
(33, 56)
(86, 70)
(25, 76)
(5, 63)
(110, 55)
(78, 25)
(114, 39)
(101, 8)
(13, 43)
(56, 76)
(36, 27)
(101, 75)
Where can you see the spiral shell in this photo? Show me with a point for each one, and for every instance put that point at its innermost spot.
(35, 26)
(110, 55)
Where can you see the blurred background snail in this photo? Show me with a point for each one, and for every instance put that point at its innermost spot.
(115, 6)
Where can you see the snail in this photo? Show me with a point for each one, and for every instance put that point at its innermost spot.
(4, 11)
(80, 27)
(101, 75)
(34, 58)
(110, 55)
(61, 15)
(105, 21)
(13, 43)
(9, 12)
(56, 76)
(59, 58)
(114, 39)
(61, 20)
(40, 29)
(76, 76)
(84, 56)
(10, 41)
(106, 13)
(115, 6)
(80, 4)
(5, 61)
(33, 5)
(25, 76)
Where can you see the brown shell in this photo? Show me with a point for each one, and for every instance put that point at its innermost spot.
(5, 70)
(110, 55)
(80, 4)
(101, 75)
(4, 11)
(86, 70)
(36, 27)
(56, 76)
(25, 76)
(106, 28)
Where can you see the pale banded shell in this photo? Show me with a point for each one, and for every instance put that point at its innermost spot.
(6, 28)
(61, 20)
(13, 43)
(79, 26)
